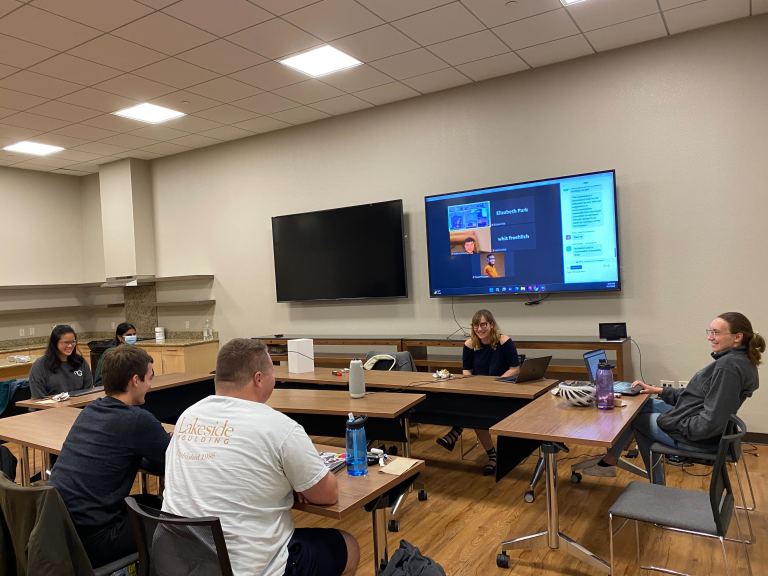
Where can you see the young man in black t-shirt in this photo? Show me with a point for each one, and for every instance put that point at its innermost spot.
(108, 443)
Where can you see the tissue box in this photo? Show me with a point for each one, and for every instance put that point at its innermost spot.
(301, 355)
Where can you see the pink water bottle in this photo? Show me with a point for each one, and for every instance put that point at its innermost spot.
(604, 386)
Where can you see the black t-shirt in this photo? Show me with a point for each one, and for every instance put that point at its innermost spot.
(488, 362)
(107, 444)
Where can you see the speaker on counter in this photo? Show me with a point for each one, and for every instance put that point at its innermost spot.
(613, 330)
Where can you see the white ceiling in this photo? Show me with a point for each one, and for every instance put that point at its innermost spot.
(66, 65)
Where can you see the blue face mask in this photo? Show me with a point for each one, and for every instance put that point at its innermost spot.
(130, 339)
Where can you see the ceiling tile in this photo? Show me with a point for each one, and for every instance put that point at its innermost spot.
(282, 6)
(18, 100)
(45, 163)
(128, 141)
(175, 73)
(496, 12)
(601, 13)
(195, 141)
(227, 133)
(116, 52)
(21, 54)
(269, 76)
(8, 6)
(136, 87)
(101, 149)
(468, 48)
(165, 148)
(11, 134)
(34, 121)
(78, 155)
(225, 114)
(275, 39)
(440, 24)
(266, 103)
(158, 132)
(64, 111)
(113, 123)
(331, 19)
(139, 154)
(63, 141)
(221, 17)
(309, 91)
(6, 70)
(494, 66)
(262, 124)
(105, 15)
(6, 112)
(705, 13)
(387, 93)
(435, 81)
(357, 78)
(185, 101)
(556, 51)
(409, 64)
(192, 124)
(375, 43)
(341, 105)
(390, 10)
(39, 85)
(160, 32)
(66, 67)
(225, 89)
(537, 29)
(632, 32)
(300, 115)
(41, 27)
(669, 4)
(98, 100)
(222, 56)
(157, 4)
(759, 6)
(84, 132)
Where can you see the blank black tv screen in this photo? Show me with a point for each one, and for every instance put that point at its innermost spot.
(540, 237)
(351, 252)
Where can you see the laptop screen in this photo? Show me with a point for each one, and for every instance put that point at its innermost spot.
(592, 360)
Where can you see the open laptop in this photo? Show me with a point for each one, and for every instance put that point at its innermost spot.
(531, 369)
(85, 391)
(592, 360)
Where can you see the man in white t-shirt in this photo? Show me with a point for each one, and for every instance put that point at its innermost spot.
(234, 457)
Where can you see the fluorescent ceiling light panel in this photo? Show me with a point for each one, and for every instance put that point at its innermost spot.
(149, 113)
(569, 2)
(321, 61)
(35, 148)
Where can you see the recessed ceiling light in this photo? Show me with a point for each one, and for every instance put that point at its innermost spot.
(569, 2)
(321, 61)
(149, 113)
(35, 148)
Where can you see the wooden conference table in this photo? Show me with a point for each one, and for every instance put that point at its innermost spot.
(551, 420)
(467, 401)
(46, 430)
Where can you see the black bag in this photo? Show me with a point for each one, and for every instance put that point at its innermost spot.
(409, 561)
(8, 463)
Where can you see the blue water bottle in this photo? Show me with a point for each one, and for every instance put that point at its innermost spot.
(604, 386)
(357, 453)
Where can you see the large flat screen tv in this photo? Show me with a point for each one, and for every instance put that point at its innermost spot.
(351, 252)
(540, 237)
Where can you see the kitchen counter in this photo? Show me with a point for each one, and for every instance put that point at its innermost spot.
(176, 342)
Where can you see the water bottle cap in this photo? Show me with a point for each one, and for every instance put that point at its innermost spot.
(603, 365)
(357, 423)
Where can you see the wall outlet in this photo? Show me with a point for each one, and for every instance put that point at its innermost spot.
(21, 332)
(186, 324)
(682, 383)
(667, 383)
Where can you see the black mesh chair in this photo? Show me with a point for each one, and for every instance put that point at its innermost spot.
(694, 512)
(171, 545)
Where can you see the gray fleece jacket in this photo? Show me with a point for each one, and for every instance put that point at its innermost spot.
(701, 410)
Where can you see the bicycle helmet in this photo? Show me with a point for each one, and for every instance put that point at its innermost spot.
(577, 394)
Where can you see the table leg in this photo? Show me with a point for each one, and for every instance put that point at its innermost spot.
(380, 552)
(24, 465)
(554, 537)
(46, 466)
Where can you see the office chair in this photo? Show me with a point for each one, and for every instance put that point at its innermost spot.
(171, 545)
(733, 457)
(694, 512)
(37, 535)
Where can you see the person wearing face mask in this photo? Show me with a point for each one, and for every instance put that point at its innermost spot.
(487, 352)
(125, 333)
(62, 368)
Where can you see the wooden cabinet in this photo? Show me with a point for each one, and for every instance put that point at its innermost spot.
(194, 358)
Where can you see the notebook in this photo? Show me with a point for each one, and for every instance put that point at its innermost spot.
(333, 460)
(592, 360)
(531, 369)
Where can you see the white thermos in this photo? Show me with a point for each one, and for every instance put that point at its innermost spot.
(356, 379)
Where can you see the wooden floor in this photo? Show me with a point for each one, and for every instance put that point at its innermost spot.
(467, 515)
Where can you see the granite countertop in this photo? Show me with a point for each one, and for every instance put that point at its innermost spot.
(176, 342)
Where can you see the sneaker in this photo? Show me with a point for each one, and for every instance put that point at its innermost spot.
(594, 468)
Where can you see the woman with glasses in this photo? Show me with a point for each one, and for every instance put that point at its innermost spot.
(694, 418)
(61, 368)
(487, 352)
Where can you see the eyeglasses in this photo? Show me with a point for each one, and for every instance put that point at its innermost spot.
(482, 325)
(711, 332)
(68, 343)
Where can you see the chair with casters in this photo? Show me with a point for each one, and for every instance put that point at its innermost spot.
(733, 457)
(695, 512)
(171, 545)
(37, 535)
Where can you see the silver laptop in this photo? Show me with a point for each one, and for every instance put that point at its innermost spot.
(592, 360)
(531, 369)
